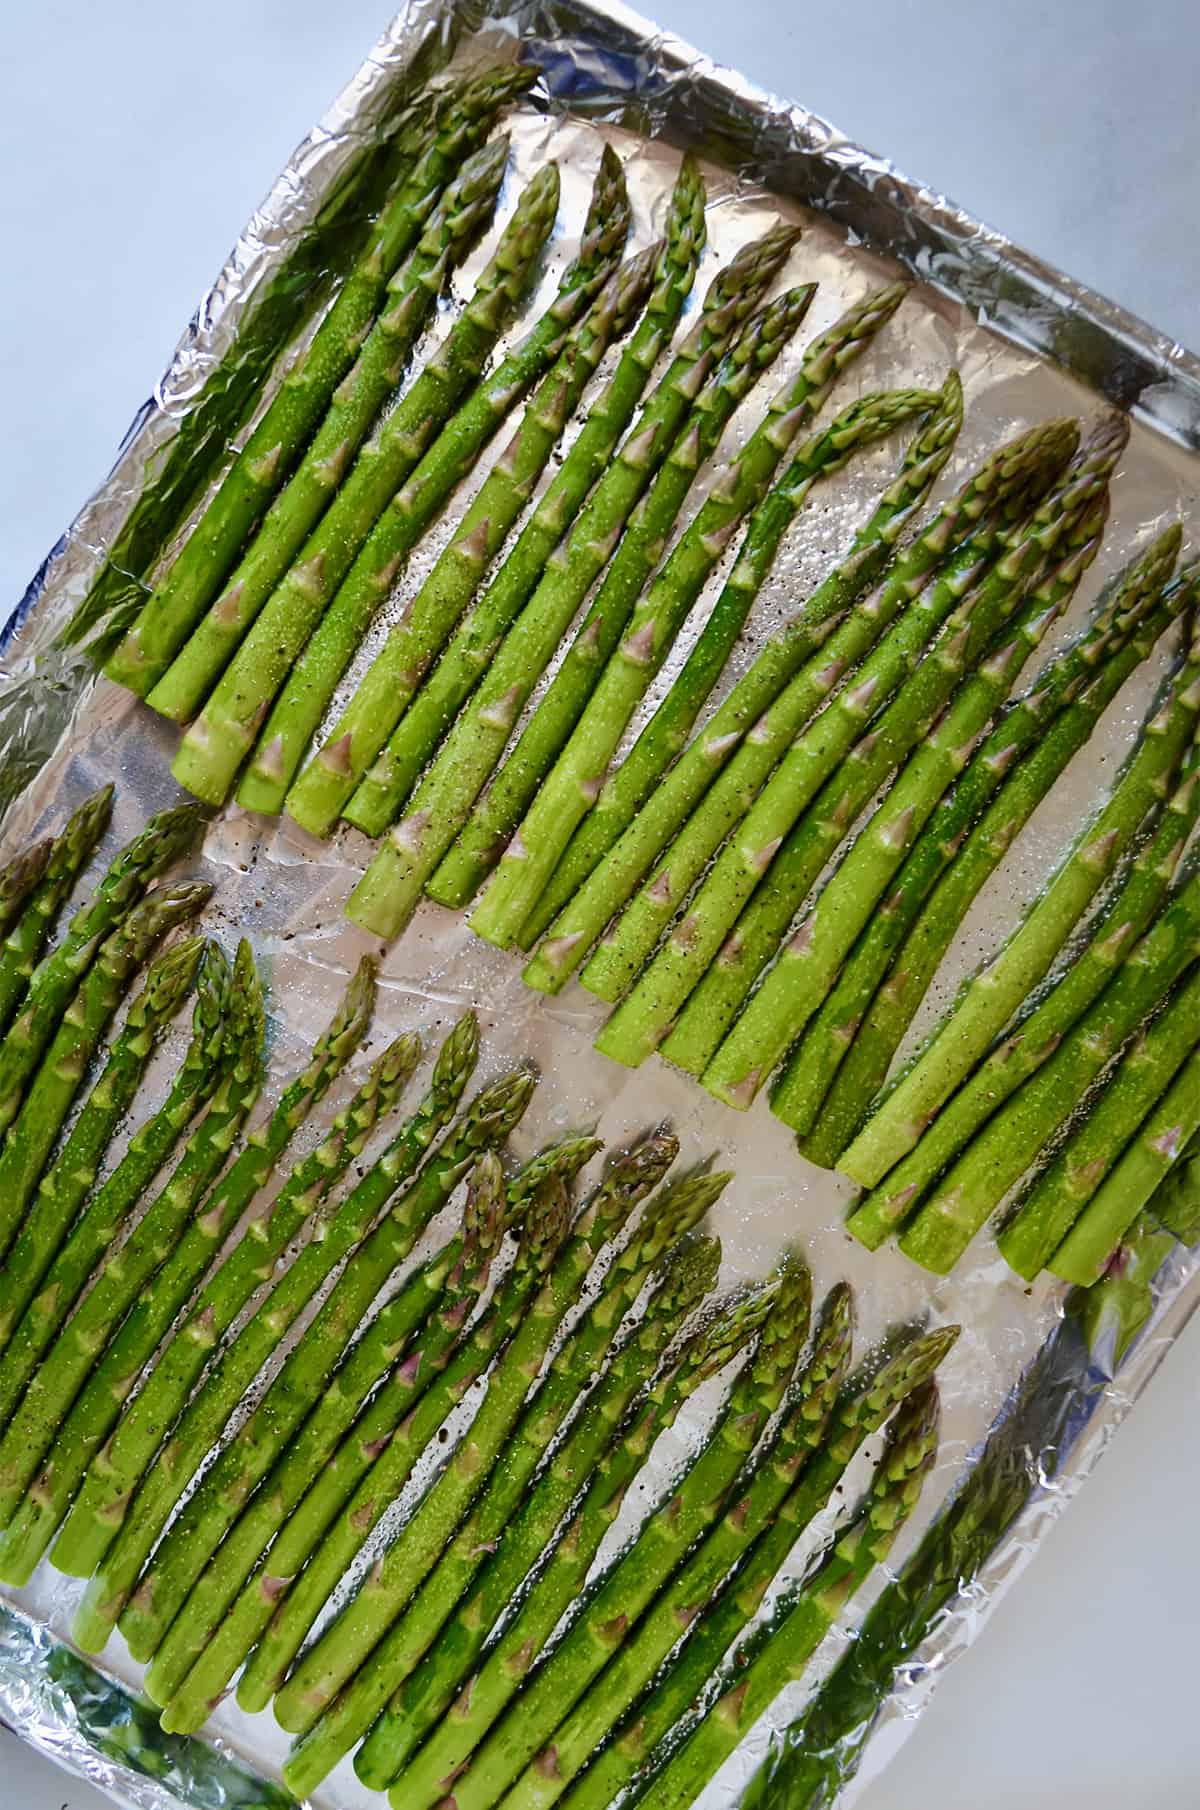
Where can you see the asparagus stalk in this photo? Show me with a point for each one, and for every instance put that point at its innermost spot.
(70, 1178)
(1177, 1198)
(1038, 1034)
(464, 208)
(386, 1340)
(859, 1412)
(688, 1272)
(560, 1582)
(424, 1396)
(24, 941)
(18, 879)
(1062, 1192)
(411, 1635)
(301, 705)
(656, 621)
(811, 959)
(1096, 1236)
(308, 1697)
(991, 999)
(463, 120)
(125, 1488)
(101, 1225)
(221, 736)
(53, 982)
(631, 1582)
(760, 1494)
(842, 1059)
(814, 786)
(798, 1628)
(212, 1510)
(443, 801)
(326, 784)
(999, 1155)
(55, 1083)
(768, 707)
(665, 736)
(57, 1421)
(910, 715)
(633, 622)
(414, 736)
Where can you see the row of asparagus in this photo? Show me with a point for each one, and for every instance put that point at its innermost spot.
(539, 1350)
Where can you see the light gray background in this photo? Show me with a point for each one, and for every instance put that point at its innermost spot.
(135, 141)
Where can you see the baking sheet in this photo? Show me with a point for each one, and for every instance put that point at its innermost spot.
(609, 75)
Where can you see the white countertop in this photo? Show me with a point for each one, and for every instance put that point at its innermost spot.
(136, 140)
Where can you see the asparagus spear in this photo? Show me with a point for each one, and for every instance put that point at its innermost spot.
(631, 625)
(443, 801)
(56, 1082)
(1096, 1237)
(1063, 1190)
(762, 925)
(798, 1628)
(55, 1420)
(422, 1395)
(998, 990)
(414, 736)
(412, 1633)
(70, 1178)
(758, 1497)
(859, 1412)
(326, 784)
(19, 878)
(297, 712)
(384, 1348)
(810, 960)
(814, 779)
(632, 1581)
(1113, 1309)
(664, 737)
(462, 122)
(53, 982)
(840, 1063)
(308, 1697)
(225, 730)
(1038, 1034)
(999, 1155)
(69, 853)
(656, 620)
(214, 1507)
(466, 205)
(788, 682)
(1177, 1198)
(558, 1585)
(125, 1488)
(149, 1148)
(687, 1273)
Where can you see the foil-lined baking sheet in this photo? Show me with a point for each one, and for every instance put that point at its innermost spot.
(1029, 345)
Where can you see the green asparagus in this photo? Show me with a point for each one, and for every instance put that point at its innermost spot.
(18, 879)
(999, 989)
(127, 1496)
(326, 784)
(215, 1506)
(64, 1417)
(1036, 1036)
(626, 791)
(411, 294)
(840, 1063)
(462, 122)
(705, 795)
(116, 1201)
(69, 853)
(631, 625)
(297, 712)
(415, 737)
(390, 891)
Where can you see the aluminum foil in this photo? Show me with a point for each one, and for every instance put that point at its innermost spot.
(1029, 344)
